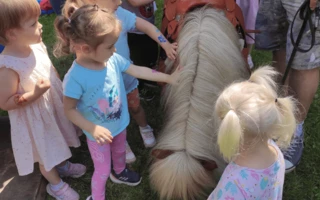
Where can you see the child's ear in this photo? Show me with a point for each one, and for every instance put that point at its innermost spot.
(11, 34)
(85, 48)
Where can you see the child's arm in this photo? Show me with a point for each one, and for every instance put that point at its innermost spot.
(9, 99)
(99, 133)
(152, 75)
(136, 3)
(153, 32)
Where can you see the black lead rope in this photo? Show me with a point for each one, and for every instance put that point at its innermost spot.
(305, 14)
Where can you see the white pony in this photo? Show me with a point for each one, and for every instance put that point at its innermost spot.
(187, 151)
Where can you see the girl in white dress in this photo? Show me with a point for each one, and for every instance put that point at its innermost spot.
(31, 92)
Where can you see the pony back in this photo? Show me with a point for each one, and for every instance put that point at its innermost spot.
(209, 51)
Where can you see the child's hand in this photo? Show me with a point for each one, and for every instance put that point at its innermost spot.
(102, 135)
(41, 86)
(175, 75)
(171, 50)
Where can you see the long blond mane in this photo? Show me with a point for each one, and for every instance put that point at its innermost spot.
(209, 52)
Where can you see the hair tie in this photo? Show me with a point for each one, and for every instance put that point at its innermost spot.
(276, 100)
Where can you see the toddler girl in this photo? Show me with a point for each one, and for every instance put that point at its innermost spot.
(40, 132)
(94, 92)
(252, 118)
(130, 22)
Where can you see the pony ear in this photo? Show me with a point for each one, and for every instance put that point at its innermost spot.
(161, 153)
(208, 164)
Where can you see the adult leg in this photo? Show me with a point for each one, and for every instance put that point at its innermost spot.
(304, 84)
(279, 62)
(304, 78)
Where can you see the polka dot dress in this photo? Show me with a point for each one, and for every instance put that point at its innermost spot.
(40, 132)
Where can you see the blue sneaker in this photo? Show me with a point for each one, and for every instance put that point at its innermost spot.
(293, 154)
(127, 177)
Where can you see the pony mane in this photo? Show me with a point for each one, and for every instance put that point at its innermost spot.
(209, 51)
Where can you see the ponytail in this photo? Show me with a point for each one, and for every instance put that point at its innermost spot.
(63, 30)
(229, 135)
(287, 125)
(265, 76)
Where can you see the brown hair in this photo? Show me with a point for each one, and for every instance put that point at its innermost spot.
(13, 13)
(71, 5)
(88, 24)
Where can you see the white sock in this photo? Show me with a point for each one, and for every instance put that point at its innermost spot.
(57, 187)
(146, 127)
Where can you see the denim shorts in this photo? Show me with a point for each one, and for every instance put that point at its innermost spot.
(274, 20)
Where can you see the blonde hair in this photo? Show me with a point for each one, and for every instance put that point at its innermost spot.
(13, 13)
(253, 108)
(209, 51)
(89, 24)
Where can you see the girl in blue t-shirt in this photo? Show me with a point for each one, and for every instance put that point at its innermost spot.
(94, 92)
(129, 21)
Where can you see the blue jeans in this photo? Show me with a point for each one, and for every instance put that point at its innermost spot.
(57, 5)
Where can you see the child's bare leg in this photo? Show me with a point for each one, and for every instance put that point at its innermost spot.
(52, 176)
(138, 115)
(56, 187)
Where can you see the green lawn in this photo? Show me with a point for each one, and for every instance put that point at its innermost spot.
(303, 183)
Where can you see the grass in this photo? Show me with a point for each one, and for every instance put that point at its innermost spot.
(303, 183)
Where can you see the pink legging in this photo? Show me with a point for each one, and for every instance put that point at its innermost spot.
(101, 156)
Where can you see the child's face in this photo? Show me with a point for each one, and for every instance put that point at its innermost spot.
(111, 5)
(29, 33)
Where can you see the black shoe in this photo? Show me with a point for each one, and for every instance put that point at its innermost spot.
(146, 95)
(127, 177)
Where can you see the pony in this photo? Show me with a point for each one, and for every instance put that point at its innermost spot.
(186, 154)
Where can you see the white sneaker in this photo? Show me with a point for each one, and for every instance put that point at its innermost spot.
(147, 136)
(130, 157)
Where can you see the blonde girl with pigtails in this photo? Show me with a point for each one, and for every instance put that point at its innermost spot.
(254, 123)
